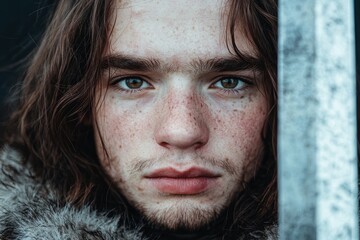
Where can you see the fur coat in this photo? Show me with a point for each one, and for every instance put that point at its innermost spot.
(27, 212)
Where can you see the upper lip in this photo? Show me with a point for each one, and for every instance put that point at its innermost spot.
(170, 172)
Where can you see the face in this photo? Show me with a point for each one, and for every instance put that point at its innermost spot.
(180, 117)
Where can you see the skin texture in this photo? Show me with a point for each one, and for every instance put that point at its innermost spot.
(179, 115)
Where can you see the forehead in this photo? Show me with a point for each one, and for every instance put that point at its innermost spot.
(173, 30)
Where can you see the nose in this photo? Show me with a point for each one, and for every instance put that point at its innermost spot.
(182, 123)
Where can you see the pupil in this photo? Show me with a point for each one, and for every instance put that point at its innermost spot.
(134, 83)
(229, 83)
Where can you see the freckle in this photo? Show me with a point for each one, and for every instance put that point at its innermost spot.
(120, 146)
(250, 98)
(235, 110)
(140, 189)
(190, 114)
(215, 128)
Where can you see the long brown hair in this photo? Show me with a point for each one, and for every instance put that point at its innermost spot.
(257, 205)
(51, 126)
(57, 96)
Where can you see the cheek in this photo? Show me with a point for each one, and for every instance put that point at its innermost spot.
(113, 127)
(120, 126)
(123, 128)
(242, 125)
(239, 131)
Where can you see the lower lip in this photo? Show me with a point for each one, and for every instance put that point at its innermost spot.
(182, 186)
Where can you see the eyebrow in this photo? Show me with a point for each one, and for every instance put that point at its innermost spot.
(218, 64)
(230, 64)
(130, 63)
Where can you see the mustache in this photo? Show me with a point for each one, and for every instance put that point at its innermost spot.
(145, 163)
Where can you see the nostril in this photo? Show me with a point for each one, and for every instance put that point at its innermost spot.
(164, 144)
(195, 146)
(199, 145)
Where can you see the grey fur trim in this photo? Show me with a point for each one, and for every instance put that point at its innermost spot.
(270, 233)
(29, 212)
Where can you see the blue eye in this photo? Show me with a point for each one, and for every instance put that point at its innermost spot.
(132, 83)
(230, 83)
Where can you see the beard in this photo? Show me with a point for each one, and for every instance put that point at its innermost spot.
(188, 213)
(183, 215)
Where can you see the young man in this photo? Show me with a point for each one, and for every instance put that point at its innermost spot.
(146, 120)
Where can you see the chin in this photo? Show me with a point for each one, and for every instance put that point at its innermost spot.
(181, 215)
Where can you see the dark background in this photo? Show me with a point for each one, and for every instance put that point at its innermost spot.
(21, 25)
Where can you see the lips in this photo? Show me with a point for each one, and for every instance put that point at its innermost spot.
(189, 182)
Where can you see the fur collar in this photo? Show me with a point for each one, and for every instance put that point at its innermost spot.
(29, 212)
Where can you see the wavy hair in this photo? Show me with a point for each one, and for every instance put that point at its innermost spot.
(51, 125)
(257, 205)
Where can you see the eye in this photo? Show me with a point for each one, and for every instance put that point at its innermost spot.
(131, 83)
(230, 83)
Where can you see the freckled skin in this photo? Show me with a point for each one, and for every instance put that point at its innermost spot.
(181, 122)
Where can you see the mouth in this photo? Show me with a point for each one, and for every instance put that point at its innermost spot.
(187, 182)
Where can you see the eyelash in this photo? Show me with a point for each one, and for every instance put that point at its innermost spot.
(129, 91)
(247, 83)
(229, 91)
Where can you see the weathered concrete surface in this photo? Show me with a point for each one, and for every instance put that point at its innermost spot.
(317, 120)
